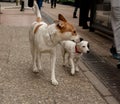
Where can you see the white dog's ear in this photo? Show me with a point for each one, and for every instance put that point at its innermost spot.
(59, 23)
(61, 17)
(56, 21)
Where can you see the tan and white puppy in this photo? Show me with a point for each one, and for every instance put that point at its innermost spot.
(74, 51)
(43, 39)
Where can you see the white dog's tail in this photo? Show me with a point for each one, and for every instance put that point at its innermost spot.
(37, 11)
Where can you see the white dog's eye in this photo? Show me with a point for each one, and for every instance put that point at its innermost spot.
(74, 31)
(83, 46)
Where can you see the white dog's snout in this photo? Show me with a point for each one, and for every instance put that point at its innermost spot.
(76, 38)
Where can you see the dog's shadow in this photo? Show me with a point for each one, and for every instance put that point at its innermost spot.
(41, 75)
(67, 69)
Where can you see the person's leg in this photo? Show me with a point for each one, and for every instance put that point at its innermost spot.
(92, 14)
(39, 2)
(75, 12)
(86, 11)
(81, 13)
(115, 19)
(55, 3)
(51, 3)
(22, 5)
(116, 27)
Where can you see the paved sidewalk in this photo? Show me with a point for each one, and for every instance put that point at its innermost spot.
(18, 85)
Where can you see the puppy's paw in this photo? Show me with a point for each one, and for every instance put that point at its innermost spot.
(39, 68)
(64, 65)
(35, 70)
(55, 82)
(77, 69)
(72, 71)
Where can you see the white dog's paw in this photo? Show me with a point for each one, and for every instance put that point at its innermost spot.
(54, 82)
(35, 70)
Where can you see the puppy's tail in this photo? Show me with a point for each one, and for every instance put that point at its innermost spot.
(37, 11)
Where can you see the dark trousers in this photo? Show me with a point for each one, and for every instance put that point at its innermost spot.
(39, 2)
(75, 11)
(22, 5)
(84, 10)
(53, 3)
(92, 11)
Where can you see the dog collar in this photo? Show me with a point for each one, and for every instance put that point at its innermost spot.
(76, 50)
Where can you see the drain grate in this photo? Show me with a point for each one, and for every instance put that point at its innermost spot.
(91, 57)
(107, 73)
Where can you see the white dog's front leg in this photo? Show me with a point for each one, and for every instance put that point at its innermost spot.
(72, 66)
(53, 61)
(35, 69)
(39, 61)
(64, 63)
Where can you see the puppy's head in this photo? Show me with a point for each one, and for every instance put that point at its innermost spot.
(66, 30)
(83, 46)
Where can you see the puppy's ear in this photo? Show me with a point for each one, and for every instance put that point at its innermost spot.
(81, 39)
(61, 17)
(88, 45)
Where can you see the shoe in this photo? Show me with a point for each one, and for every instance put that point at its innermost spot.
(118, 65)
(113, 50)
(91, 29)
(54, 6)
(116, 56)
(21, 9)
(75, 17)
(85, 27)
(114, 53)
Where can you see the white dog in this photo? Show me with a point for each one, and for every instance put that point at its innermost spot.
(44, 38)
(74, 51)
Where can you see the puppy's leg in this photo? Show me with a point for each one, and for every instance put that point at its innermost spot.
(63, 55)
(72, 66)
(77, 68)
(35, 69)
(76, 65)
(53, 61)
(68, 60)
(39, 61)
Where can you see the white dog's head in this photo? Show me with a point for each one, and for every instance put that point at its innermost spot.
(83, 46)
(66, 30)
